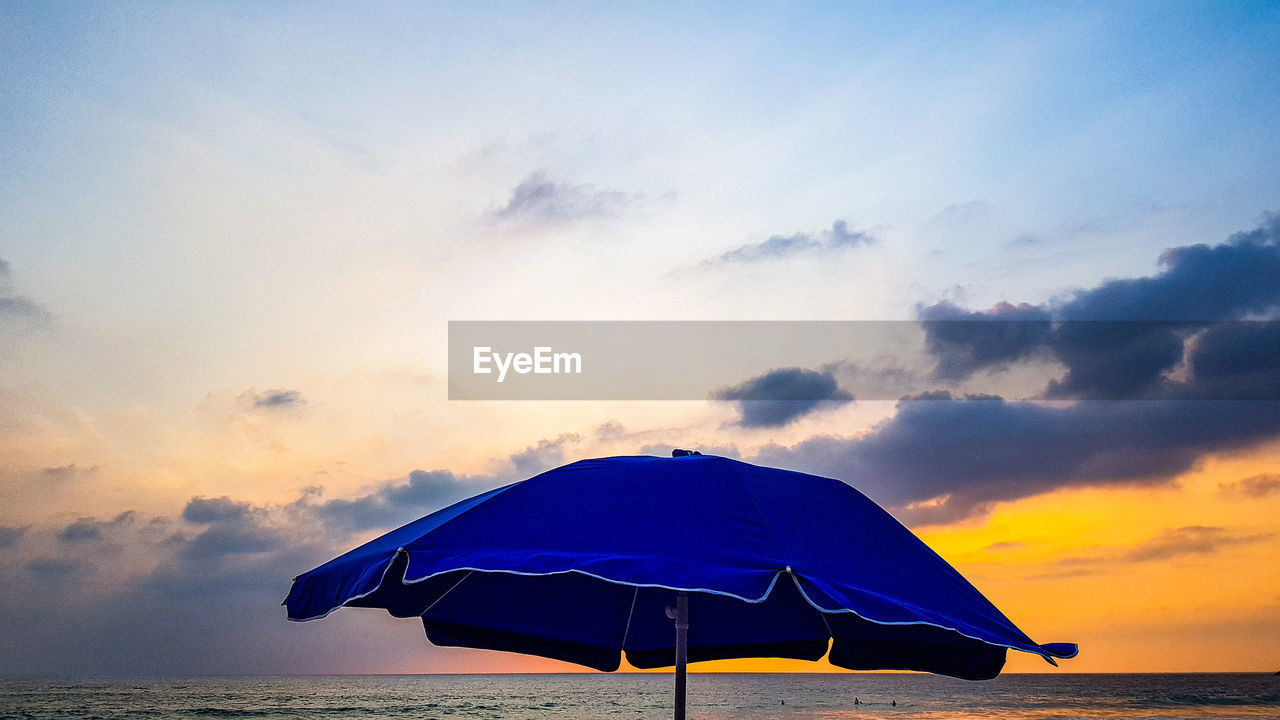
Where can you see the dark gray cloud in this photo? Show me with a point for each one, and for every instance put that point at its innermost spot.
(1255, 486)
(1234, 360)
(951, 458)
(229, 537)
(88, 530)
(395, 503)
(966, 341)
(1127, 338)
(783, 395)
(202, 510)
(11, 535)
(539, 200)
(1198, 283)
(839, 237)
(279, 399)
(51, 568)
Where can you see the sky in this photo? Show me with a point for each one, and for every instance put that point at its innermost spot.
(232, 236)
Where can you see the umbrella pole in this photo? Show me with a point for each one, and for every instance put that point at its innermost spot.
(682, 650)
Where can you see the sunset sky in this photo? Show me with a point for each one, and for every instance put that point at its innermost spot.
(232, 236)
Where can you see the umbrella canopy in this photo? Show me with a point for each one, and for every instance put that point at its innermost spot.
(587, 561)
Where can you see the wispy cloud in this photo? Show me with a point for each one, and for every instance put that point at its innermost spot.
(1190, 540)
(11, 535)
(541, 201)
(65, 473)
(1255, 486)
(86, 529)
(838, 238)
(279, 399)
(16, 305)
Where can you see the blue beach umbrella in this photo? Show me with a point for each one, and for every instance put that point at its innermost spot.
(593, 559)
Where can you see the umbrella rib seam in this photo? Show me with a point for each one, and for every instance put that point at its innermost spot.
(626, 631)
(446, 592)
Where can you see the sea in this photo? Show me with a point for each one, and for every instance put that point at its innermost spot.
(596, 696)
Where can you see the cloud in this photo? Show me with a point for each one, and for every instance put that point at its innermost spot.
(1205, 314)
(609, 430)
(226, 537)
(543, 456)
(278, 399)
(214, 510)
(783, 395)
(64, 473)
(1198, 283)
(1255, 486)
(1160, 371)
(960, 214)
(90, 530)
(51, 567)
(952, 457)
(11, 535)
(539, 200)
(1191, 540)
(15, 305)
(838, 238)
(967, 341)
(394, 503)
(227, 527)
(199, 604)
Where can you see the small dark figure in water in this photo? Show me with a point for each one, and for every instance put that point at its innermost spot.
(784, 702)
(856, 701)
(893, 703)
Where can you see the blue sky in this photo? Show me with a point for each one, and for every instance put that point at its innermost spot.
(203, 206)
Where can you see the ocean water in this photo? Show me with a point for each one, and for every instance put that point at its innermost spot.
(711, 697)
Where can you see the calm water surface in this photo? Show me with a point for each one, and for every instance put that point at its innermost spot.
(711, 697)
